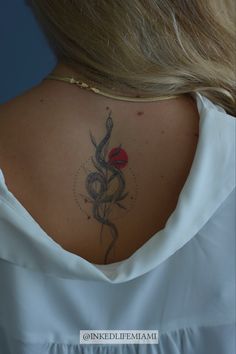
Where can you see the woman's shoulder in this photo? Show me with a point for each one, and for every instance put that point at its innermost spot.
(20, 118)
(13, 111)
(17, 133)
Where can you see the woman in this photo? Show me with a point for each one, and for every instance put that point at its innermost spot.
(117, 182)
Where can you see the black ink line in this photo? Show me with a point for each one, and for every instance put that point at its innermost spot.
(99, 195)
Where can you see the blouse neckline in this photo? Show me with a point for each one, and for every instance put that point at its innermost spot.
(210, 181)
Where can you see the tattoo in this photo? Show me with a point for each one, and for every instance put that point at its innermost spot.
(106, 186)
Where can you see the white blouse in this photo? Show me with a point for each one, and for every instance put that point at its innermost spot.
(181, 282)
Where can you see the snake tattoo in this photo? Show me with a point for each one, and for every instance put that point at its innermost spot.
(98, 184)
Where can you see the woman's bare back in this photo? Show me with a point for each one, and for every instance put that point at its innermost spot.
(91, 169)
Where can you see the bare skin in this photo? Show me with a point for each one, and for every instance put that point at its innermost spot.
(100, 176)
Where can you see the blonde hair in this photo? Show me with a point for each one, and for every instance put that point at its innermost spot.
(157, 47)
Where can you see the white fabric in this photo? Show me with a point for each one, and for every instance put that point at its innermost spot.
(181, 281)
